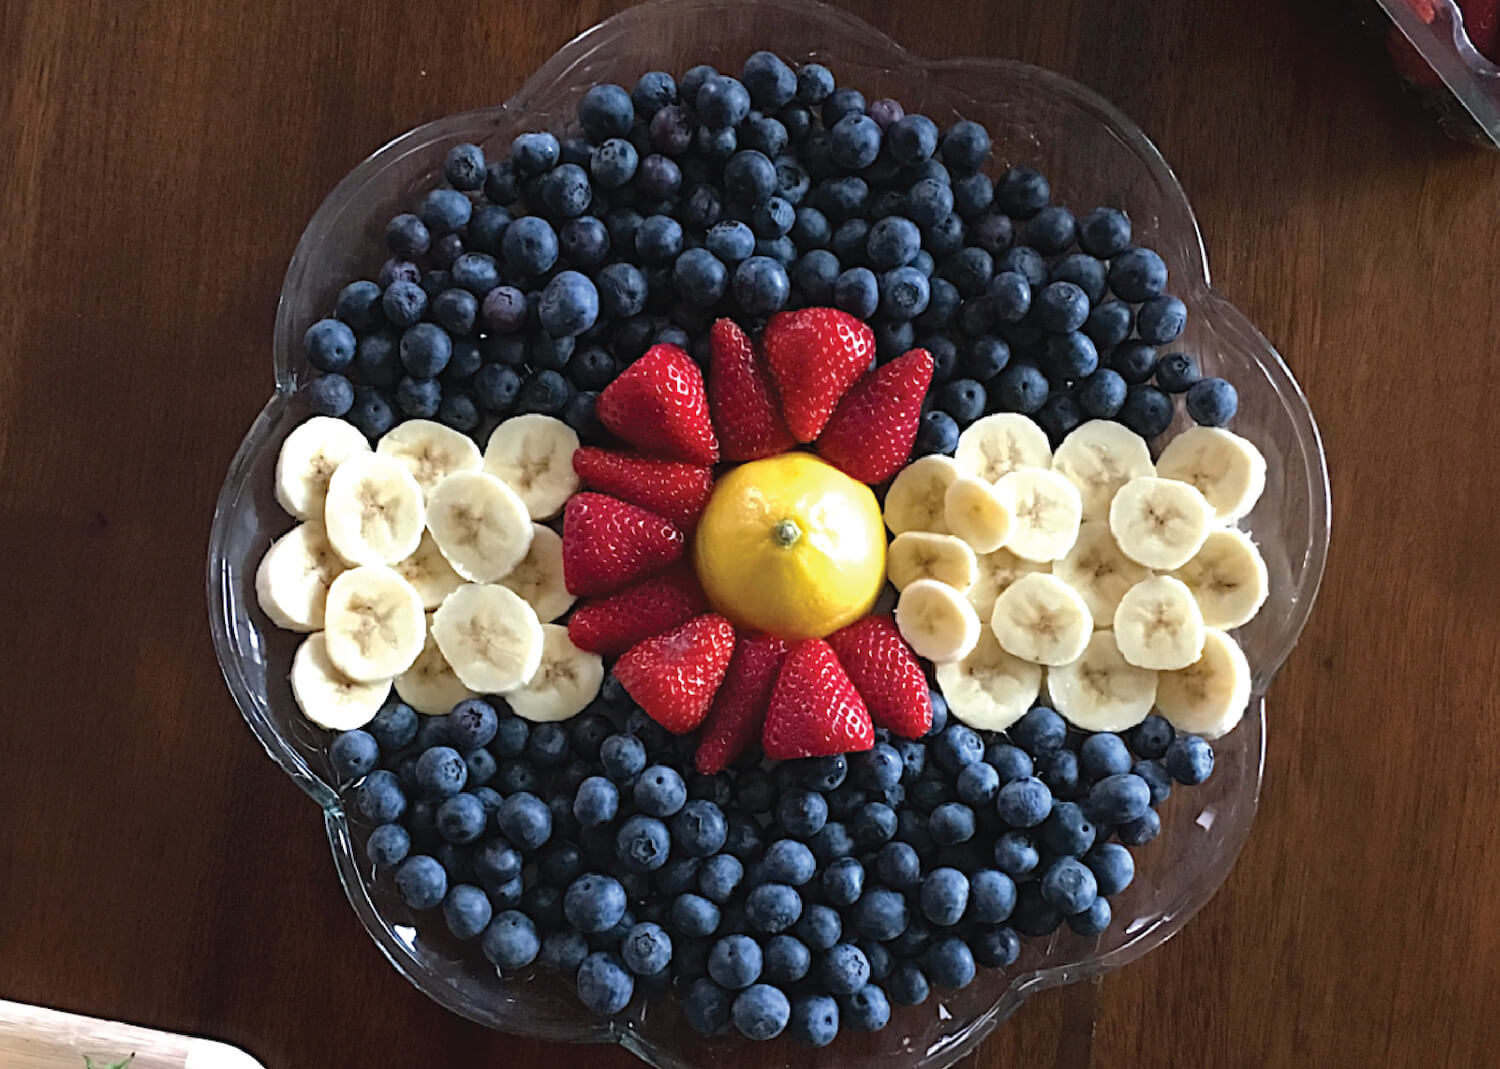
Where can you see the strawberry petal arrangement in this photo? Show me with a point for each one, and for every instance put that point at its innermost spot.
(817, 619)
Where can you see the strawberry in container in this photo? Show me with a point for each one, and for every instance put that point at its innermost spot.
(1447, 50)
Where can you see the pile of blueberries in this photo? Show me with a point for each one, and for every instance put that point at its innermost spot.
(796, 897)
(526, 283)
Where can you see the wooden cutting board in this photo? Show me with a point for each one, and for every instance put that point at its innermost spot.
(32, 1037)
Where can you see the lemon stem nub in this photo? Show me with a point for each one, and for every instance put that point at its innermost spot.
(786, 533)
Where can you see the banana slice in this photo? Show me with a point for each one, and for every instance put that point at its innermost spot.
(975, 512)
(1000, 444)
(326, 696)
(1100, 457)
(374, 624)
(1101, 691)
(430, 686)
(996, 572)
(533, 454)
(1160, 523)
(1047, 511)
(1041, 619)
(1100, 573)
(1209, 696)
(291, 583)
(937, 621)
(1158, 624)
(373, 511)
(429, 572)
(914, 500)
(480, 524)
(539, 576)
(1228, 579)
(429, 451)
(308, 458)
(490, 636)
(989, 689)
(1227, 470)
(567, 680)
(915, 555)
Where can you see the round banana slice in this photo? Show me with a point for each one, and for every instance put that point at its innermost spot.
(533, 454)
(374, 623)
(373, 511)
(914, 555)
(1227, 469)
(1228, 579)
(1000, 444)
(1209, 696)
(326, 696)
(539, 576)
(915, 499)
(567, 680)
(989, 689)
(490, 636)
(1047, 511)
(1041, 619)
(937, 621)
(429, 572)
(1160, 523)
(309, 456)
(292, 581)
(995, 572)
(1099, 457)
(975, 512)
(1100, 573)
(430, 686)
(429, 451)
(1101, 691)
(1158, 625)
(480, 524)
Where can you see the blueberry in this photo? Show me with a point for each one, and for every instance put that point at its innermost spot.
(1141, 831)
(591, 369)
(461, 819)
(718, 876)
(421, 882)
(352, 754)
(908, 985)
(699, 829)
(991, 232)
(1102, 394)
(604, 984)
(832, 843)
(1161, 319)
(1024, 803)
(773, 218)
(525, 820)
(1212, 402)
(944, 896)
(1010, 762)
(407, 236)
(970, 270)
(893, 242)
(957, 747)
(444, 211)
(677, 876)
(472, 723)
(949, 963)
(706, 1007)
(377, 360)
(1147, 411)
(435, 282)
(467, 911)
(1026, 262)
(388, 846)
(761, 286)
(1151, 737)
(1177, 372)
(1069, 886)
(1104, 232)
(873, 825)
(1135, 361)
(840, 102)
(876, 768)
(1104, 754)
(596, 802)
(404, 303)
(773, 907)
(1158, 780)
(819, 927)
(1190, 760)
(929, 202)
(914, 941)
(730, 241)
(530, 246)
(815, 275)
(765, 135)
(855, 141)
(516, 776)
(779, 249)
(643, 844)
(441, 772)
(419, 398)
(995, 948)
(1060, 307)
(594, 903)
(903, 293)
(912, 139)
(1109, 324)
(761, 1012)
(722, 102)
(788, 861)
(937, 433)
(545, 392)
(986, 358)
(1051, 230)
(1066, 830)
(1137, 275)
(534, 153)
(843, 881)
(1112, 866)
(992, 896)
(464, 361)
(843, 198)
(606, 111)
(844, 969)
(1021, 192)
(978, 784)
(749, 177)
(672, 129)
(857, 292)
(1020, 387)
(694, 916)
(1060, 416)
(622, 290)
(659, 239)
(814, 83)
(868, 1009)
(1094, 920)
(913, 756)
(563, 951)
(792, 180)
(496, 387)
(489, 798)
(881, 913)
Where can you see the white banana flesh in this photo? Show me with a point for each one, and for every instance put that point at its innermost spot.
(1041, 619)
(989, 689)
(915, 555)
(326, 696)
(915, 500)
(309, 456)
(533, 455)
(1228, 579)
(373, 511)
(480, 525)
(564, 684)
(1047, 511)
(1099, 457)
(976, 512)
(997, 445)
(539, 576)
(1101, 691)
(490, 636)
(292, 580)
(937, 621)
(1159, 522)
(374, 624)
(1226, 469)
(429, 451)
(1210, 696)
(1158, 625)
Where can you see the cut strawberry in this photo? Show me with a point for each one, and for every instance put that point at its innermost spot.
(658, 405)
(815, 354)
(870, 435)
(674, 676)
(669, 488)
(746, 409)
(885, 671)
(653, 606)
(739, 711)
(608, 543)
(815, 710)
(1482, 24)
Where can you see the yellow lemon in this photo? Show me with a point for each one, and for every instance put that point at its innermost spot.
(791, 545)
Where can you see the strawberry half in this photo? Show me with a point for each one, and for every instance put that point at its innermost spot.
(611, 625)
(815, 710)
(746, 410)
(885, 671)
(674, 676)
(870, 435)
(608, 543)
(739, 711)
(815, 354)
(669, 488)
(658, 405)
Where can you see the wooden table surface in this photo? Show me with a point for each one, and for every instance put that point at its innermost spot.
(158, 159)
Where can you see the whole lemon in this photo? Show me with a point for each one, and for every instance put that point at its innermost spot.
(792, 546)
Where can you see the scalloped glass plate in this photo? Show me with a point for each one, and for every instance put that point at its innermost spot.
(1094, 155)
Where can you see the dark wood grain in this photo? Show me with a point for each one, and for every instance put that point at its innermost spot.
(158, 159)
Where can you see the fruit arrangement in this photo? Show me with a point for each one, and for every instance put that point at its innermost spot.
(814, 623)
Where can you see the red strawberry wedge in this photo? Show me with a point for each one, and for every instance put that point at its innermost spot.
(747, 412)
(884, 670)
(668, 488)
(659, 406)
(608, 543)
(674, 676)
(815, 710)
(739, 711)
(815, 354)
(609, 626)
(870, 435)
